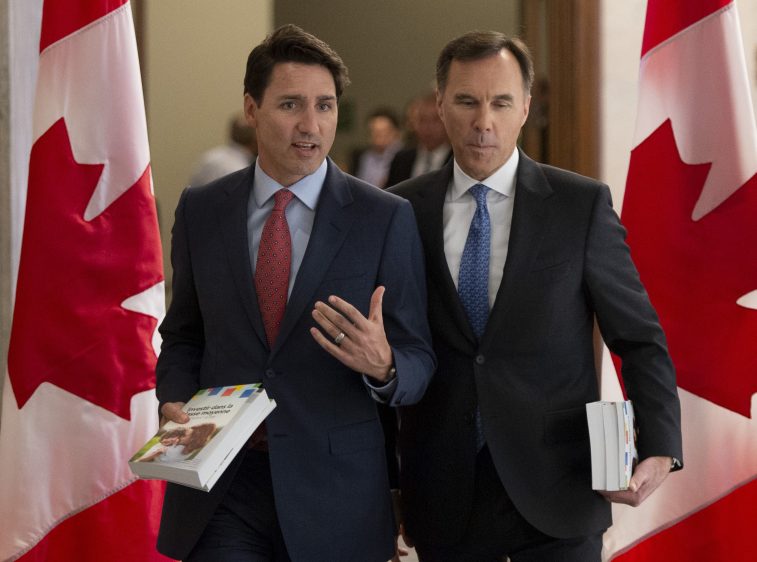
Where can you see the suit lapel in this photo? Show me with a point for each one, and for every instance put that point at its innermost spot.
(330, 227)
(233, 220)
(429, 212)
(530, 217)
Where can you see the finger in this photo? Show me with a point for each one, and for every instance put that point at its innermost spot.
(172, 411)
(336, 318)
(328, 345)
(405, 538)
(349, 312)
(633, 499)
(377, 299)
(325, 323)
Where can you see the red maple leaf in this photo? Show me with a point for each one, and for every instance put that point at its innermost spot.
(69, 328)
(695, 271)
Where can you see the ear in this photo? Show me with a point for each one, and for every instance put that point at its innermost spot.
(526, 108)
(439, 106)
(250, 111)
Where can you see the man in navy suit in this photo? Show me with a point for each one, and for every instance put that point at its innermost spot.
(296, 275)
(521, 258)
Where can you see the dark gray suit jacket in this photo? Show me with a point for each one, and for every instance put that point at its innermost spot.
(325, 440)
(533, 371)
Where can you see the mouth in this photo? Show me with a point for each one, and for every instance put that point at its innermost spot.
(305, 146)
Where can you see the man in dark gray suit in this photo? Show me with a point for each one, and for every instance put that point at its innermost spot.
(520, 259)
(257, 255)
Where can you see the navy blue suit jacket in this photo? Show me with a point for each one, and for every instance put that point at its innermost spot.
(533, 370)
(325, 441)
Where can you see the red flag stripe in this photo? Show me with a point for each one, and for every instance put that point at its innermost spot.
(710, 534)
(61, 17)
(674, 16)
(75, 539)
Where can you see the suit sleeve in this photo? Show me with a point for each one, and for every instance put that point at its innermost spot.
(178, 367)
(404, 308)
(631, 330)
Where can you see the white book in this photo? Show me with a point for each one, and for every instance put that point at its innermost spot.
(612, 441)
(196, 453)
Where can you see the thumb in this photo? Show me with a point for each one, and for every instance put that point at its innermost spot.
(377, 298)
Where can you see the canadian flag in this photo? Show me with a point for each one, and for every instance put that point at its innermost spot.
(690, 208)
(78, 397)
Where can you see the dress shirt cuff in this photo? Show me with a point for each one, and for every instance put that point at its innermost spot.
(383, 393)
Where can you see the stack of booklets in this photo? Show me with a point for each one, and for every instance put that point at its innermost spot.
(196, 453)
(613, 444)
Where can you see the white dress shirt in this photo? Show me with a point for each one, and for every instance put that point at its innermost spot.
(459, 208)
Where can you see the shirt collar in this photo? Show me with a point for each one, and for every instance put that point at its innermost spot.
(307, 190)
(502, 180)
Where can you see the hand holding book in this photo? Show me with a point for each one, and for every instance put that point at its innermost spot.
(200, 438)
(647, 476)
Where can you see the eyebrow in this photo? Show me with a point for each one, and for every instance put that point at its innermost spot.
(299, 97)
(500, 97)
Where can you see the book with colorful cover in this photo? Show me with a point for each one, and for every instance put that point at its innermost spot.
(613, 444)
(195, 454)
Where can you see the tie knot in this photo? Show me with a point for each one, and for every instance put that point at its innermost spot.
(479, 192)
(281, 199)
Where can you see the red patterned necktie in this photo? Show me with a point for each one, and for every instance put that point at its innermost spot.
(273, 264)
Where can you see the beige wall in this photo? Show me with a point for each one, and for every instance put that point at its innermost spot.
(391, 46)
(194, 56)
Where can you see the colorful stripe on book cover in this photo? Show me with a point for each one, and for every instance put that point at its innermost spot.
(237, 391)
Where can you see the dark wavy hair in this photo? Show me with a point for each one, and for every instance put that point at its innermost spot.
(289, 43)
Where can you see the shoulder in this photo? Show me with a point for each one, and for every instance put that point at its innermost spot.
(367, 194)
(559, 182)
(562, 178)
(219, 187)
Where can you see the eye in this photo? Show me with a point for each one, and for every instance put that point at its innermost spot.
(288, 105)
(324, 106)
(466, 102)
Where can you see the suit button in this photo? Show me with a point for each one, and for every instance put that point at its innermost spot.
(270, 374)
(480, 359)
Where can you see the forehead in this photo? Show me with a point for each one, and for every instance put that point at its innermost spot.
(299, 78)
(498, 71)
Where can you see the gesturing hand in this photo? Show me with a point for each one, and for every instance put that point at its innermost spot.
(358, 342)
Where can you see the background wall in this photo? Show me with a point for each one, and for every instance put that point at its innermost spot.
(390, 47)
(193, 57)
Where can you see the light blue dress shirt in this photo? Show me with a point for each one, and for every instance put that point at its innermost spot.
(300, 213)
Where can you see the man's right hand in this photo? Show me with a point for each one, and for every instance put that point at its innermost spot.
(172, 411)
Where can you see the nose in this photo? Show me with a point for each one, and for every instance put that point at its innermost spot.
(482, 120)
(308, 123)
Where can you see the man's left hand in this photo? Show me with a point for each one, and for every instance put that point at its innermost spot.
(648, 475)
(358, 342)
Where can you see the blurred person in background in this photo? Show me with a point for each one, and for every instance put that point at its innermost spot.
(237, 153)
(432, 149)
(371, 164)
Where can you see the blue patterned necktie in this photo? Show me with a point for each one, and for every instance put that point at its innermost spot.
(473, 280)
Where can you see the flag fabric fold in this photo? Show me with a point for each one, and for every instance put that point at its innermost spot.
(78, 398)
(689, 207)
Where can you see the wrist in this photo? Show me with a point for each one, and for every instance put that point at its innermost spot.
(386, 375)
